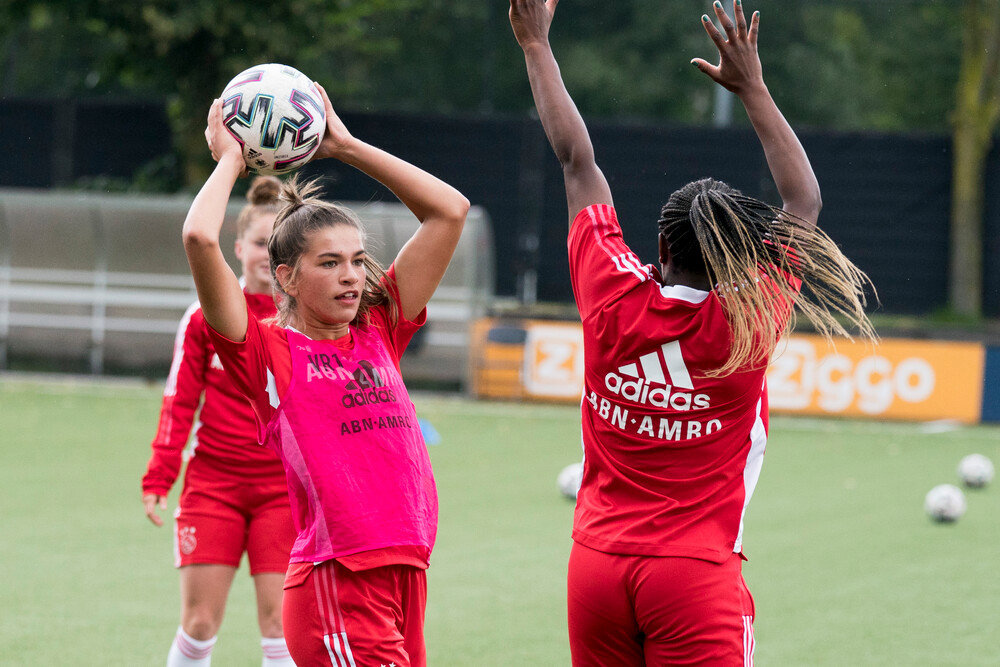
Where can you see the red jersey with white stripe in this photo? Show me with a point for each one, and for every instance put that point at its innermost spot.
(261, 367)
(225, 430)
(671, 456)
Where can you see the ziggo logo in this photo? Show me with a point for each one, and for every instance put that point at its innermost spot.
(798, 379)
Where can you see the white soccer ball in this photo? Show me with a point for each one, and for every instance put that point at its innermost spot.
(569, 480)
(278, 116)
(975, 471)
(945, 502)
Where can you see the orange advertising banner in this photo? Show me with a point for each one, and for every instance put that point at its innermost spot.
(897, 379)
(902, 379)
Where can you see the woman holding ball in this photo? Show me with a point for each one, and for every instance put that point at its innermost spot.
(324, 383)
(234, 496)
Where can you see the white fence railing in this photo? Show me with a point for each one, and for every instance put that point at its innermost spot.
(104, 278)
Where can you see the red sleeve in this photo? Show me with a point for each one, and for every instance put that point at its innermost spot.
(181, 398)
(601, 266)
(249, 365)
(397, 335)
(783, 306)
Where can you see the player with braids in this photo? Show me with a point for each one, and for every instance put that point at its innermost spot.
(712, 229)
(234, 496)
(674, 416)
(324, 382)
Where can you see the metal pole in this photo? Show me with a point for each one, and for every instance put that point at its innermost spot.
(722, 114)
(100, 298)
(531, 194)
(5, 262)
(722, 108)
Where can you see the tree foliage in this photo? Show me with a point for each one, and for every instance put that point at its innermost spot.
(977, 112)
(847, 64)
(186, 50)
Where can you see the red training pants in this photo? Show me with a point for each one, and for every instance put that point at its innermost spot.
(645, 610)
(333, 616)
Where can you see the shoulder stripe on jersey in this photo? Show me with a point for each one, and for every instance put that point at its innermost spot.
(602, 226)
(644, 271)
(171, 387)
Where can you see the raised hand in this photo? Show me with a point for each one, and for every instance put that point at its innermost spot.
(220, 141)
(531, 20)
(739, 65)
(337, 137)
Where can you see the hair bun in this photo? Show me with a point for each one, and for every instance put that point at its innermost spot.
(264, 190)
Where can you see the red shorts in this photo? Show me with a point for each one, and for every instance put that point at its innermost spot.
(332, 616)
(220, 515)
(644, 610)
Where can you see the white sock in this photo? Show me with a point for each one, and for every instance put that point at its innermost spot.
(275, 652)
(186, 651)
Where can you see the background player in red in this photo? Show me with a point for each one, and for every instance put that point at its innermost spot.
(234, 496)
(325, 384)
(675, 407)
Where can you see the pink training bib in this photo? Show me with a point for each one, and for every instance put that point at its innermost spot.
(358, 472)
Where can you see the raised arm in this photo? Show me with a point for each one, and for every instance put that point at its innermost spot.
(567, 133)
(739, 71)
(219, 291)
(440, 208)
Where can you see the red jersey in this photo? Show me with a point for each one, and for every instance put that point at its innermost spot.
(261, 368)
(671, 456)
(225, 430)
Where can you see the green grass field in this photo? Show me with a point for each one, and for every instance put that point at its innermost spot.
(844, 566)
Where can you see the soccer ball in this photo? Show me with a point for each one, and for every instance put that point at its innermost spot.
(945, 503)
(278, 116)
(569, 480)
(975, 471)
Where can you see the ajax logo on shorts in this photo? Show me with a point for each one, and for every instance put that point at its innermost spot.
(655, 380)
(186, 540)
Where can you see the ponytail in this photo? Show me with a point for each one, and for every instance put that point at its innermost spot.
(755, 255)
(262, 199)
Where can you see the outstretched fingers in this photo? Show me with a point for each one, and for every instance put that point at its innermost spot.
(754, 28)
(741, 19)
(713, 32)
(519, 5)
(724, 20)
(706, 67)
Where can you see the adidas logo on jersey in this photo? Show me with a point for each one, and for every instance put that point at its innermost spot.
(655, 380)
(369, 387)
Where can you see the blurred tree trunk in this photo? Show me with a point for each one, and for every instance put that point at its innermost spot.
(977, 111)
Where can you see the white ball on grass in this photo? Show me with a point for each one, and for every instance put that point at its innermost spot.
(569, 479)
(945, 503)
(975, 471)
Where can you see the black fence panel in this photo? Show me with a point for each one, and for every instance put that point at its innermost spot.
(114, 138)
(26, 134)
(479, 157)
(886, 202)
(886, 197)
